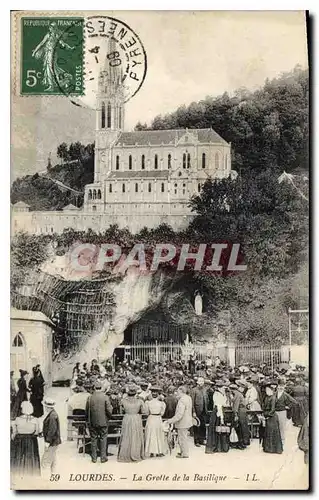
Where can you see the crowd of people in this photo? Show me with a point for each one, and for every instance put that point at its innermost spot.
(212, 401)
(209, 400)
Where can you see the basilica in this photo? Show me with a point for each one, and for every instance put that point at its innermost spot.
(141, 178)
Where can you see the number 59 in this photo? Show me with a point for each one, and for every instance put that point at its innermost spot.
(32, 77)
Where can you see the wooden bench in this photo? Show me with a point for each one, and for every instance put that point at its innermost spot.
(79, 429)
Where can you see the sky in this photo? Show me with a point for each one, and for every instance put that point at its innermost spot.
(190, 55)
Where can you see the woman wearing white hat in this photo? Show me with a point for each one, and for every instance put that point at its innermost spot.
(25, 458)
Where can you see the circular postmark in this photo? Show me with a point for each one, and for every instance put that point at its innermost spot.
(111, 51)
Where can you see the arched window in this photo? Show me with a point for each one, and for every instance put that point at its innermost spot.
(136, 187)
(109, 117)
(110, 188)
(90, 195)
(94, 194)
(143, 162)
(184, 160)
(169, 161)
(217, 161)
(198, 187)
(103, 115)
(117, 163)
(226, 164)
(18, 340)
(203, 160)
(149, 187)
(188, 160)
(184, 188)
(99, 196)
(156, 162)
(175, 188)
(130, 162)
(162, 187)
(123, 188)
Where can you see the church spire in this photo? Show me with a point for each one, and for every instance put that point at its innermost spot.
(110, 99)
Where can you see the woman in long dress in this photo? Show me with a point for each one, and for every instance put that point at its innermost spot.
(36, 386)
(154, 434)
(272, 439)
(218, 430)
(131, 447)
(22, 394)
(53, 75)
(25, 458)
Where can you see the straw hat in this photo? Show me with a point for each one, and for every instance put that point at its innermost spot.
(49, 403)
(196, 422)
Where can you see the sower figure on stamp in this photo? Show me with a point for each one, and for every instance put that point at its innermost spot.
(200, 410)
(98, 412)
(183, 420)
(51, 434)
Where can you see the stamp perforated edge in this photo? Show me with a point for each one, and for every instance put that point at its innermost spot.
(16, 48)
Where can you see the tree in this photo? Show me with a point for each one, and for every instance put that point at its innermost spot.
(62, 151)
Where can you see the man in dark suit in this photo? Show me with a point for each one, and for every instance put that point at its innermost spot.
(51, 434)
(171, 403)
(200, 403)
(98, 412)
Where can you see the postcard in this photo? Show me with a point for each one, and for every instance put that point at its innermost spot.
(159, 250)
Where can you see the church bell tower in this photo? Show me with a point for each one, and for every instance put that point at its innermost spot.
(109, 110)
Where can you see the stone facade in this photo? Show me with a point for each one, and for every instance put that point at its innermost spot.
(141, 178)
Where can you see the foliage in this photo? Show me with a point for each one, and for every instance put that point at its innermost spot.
(268, 128)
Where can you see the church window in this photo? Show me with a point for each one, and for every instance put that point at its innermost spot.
(130, 162)
(18, 340)
(136, 187)
(90, 195)
(169, 161)
(110, 188)
(162, 187)
(103, 115)
(99, 196)
(184, 160)
(94, 194)
(149, 187)
(117, 165)
(188, 160)
(217, 161)
(156, 162)
(94, 208)
(175, 188)
(143, 162)
(123, 188)
(51, 229)
(109, 118)
(226, 163)
(203, 160)
(198, 187)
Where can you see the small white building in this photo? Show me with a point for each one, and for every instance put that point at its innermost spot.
(31, 343)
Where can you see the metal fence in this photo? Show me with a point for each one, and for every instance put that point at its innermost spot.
(272, 356)
(256, 355)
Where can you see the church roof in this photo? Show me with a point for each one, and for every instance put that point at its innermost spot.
(141, 174)
(158, 137)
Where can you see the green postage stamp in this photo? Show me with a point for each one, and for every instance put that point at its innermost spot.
(52, 56)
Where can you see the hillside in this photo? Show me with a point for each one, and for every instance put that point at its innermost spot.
(75, 170)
